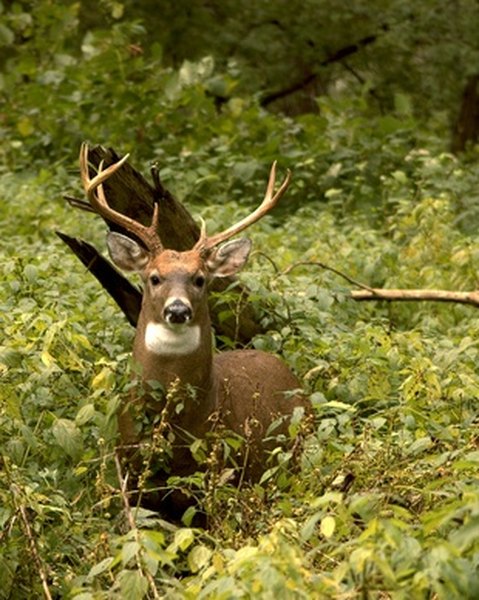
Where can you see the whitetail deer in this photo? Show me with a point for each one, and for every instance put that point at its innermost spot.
(244, 390)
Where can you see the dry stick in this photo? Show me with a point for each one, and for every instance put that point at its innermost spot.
(31, 540)
(369, 293)
(417, 295)
(131, 521)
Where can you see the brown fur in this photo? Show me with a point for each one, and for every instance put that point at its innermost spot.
(244, 391)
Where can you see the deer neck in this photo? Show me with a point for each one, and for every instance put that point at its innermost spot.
(178, 356)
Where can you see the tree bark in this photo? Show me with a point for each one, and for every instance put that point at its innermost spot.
(128, 192)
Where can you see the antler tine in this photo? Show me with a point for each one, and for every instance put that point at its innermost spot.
(269, 201)
(96, 196)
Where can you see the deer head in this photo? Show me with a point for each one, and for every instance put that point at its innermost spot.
(175, 283)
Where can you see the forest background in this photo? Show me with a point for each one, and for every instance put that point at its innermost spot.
(374, 107)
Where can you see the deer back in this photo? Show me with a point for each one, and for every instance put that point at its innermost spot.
(254, 390)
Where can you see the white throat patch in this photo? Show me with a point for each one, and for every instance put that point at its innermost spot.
(168, 340)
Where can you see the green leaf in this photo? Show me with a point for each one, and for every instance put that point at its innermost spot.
(133, 585)
(309, 527)
(100, 567)
(419, 446)
(85, 414)
(7, 37)
(129, 550)
(467, 535)
(25, 127)
(184, 537)
(198, 557)
(68, 437)
(31, 273)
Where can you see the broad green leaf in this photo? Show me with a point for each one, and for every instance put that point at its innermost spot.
(85, 414)
(184, 537)
(25, 127)
(129, 550)
(198, 557)
(68, 437)
(100, 567)
(7, 36)
(133, 585)
(309, 527)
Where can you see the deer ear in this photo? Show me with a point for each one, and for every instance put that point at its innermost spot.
(127, 254)
(229, 258)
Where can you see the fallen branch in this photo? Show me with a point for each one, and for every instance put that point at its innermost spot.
(416, 295)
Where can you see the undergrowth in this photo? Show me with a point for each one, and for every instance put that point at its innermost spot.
(382, 499)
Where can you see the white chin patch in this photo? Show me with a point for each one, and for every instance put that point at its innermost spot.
(170, 339)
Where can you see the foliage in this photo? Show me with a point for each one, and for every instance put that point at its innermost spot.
(74, 57)
(386, 499)
(378, 497)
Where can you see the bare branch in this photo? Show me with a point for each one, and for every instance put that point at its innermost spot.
(338, 56)
(81, 204)
(417, 295)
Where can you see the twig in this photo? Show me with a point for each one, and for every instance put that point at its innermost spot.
(77, 203)
(317, 263)
(123, 481)
(338, 56)
(31, 540)
(269, 259)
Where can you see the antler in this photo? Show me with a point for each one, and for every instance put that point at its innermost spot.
(206, 243)
(96, 196)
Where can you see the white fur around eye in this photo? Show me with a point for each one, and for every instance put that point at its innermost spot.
(168, 340)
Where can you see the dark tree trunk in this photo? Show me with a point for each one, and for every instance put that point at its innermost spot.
(128, 192)
(466, 128)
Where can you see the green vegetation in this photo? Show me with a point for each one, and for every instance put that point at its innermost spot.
(380, 498)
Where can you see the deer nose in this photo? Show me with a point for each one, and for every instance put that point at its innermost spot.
(177, 312)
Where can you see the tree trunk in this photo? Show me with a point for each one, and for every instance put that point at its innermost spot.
(128, 192)
(466, 128)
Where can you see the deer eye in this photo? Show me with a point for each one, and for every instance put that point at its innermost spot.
(199, 281)
(155, 280)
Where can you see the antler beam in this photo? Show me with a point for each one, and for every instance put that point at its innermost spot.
(270, 199)
(96, 196)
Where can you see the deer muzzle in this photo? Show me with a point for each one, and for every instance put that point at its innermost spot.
(177, 312)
